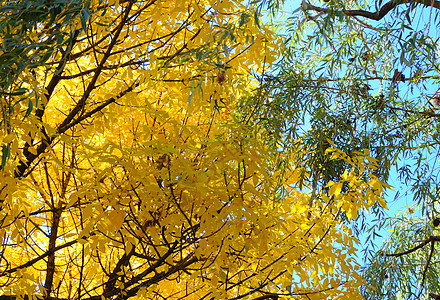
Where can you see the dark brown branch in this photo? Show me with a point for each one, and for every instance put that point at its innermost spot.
(427, 113)
(319, 291)
(125, 259)
(153, 267)
(421, 245)
(426, 269)
(57, 76)
(44, 255)
(261, 285)
(87, 50)
(40, 111)
(69, 120)
(268, 296)
(27, 297)
(133, 62)
(30, 157)
(95, 110)
(50, 269)
(161, 276)
(81, 103)
(377, 15)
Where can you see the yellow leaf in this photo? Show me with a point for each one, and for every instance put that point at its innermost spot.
(382, 202)
(336, 189)
(116, 217)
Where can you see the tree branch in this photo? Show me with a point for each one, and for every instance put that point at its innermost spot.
(377, 15)
(57, 76)
(62, 129)
(426, 269)
(421, 245)
(81, 103)
(44, 255)
(161, 276)
(28, 297)
(110, 284)
(50, 269)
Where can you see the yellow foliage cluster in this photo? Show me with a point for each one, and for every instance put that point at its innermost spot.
(133, 177)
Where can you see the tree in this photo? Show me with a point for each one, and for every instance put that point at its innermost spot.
(366, 76)
(127, 171)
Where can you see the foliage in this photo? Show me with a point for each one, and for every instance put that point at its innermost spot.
(406, 264)
(130, 174)
(365, 75)
(31, 32)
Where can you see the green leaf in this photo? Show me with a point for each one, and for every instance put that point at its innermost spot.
(191, 93)
(257, 21)
(30, 107)
(84, 17)
(6, 152)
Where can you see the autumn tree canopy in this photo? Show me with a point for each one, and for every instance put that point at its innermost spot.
(129, 171)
